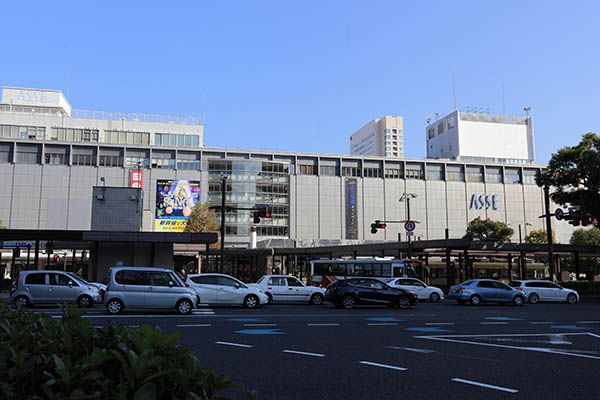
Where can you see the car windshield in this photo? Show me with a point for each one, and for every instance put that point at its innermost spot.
(261, 279)
(466, 283)
(77, 277)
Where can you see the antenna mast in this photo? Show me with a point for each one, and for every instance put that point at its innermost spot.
(454, 90)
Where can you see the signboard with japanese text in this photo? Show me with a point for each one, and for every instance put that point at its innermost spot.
(175, 200)
(351, 209)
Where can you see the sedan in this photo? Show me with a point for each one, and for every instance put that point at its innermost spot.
(419, 288)
(477, 291)
(537, 291)
(287, 289)
(225, 289)
(349, 292)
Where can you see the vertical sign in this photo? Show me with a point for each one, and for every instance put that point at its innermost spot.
(137, 176)
(351, 209)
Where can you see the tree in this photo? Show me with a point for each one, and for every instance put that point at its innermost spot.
(488, 231)
(2, 226)
(203, 219)
(574, 173)
(589, 237)
(539, 237)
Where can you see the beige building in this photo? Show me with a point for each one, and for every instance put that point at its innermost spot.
(383, 137)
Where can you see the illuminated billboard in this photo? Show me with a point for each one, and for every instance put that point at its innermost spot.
(174, 202)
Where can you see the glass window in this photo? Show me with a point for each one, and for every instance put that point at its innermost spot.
(158, 278)
(485, 284)
(205, 280)
(276, 281)
(195, 141)
(55, 159)
(328, 170)
(130, 277)
(223, 281)
(35, 279)
(4, 156)
(307, 170)
(493, 175)
(188, 141)
(294, 282)
(60, 280)
(512, 175)
(474, 174)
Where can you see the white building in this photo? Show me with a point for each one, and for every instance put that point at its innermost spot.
(481, 138)
(382, 137)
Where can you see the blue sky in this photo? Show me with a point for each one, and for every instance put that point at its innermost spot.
(303, 76)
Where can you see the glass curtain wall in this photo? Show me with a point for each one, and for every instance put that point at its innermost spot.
(250, 184)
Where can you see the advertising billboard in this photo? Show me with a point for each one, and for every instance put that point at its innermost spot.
(174, 202)
(351, 209)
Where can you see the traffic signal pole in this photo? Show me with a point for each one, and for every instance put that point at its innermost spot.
(548, 216)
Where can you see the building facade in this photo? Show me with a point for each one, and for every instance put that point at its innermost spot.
(382, 137)
(481, 138)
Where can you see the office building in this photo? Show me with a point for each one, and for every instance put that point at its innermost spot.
(383, 137)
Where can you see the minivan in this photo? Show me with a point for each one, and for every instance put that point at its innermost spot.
(47, 287)
(142, 287)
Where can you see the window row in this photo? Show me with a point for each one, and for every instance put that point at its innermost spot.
(74, 134)
(176, 140)
(126, 137)
(23, 132)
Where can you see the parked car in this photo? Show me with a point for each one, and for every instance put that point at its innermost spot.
(349, 292)
(225, 289)
(51, 287)
(284, 288)
(419, 288)
(537, 291)
(138, 287)
(477, 291)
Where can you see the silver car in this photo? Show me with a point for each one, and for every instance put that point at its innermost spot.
(537, 291)
(138, 287)
(51, 287)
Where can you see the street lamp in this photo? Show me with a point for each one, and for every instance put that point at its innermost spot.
(406, 197)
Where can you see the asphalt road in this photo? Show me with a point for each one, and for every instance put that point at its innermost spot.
(542, 351)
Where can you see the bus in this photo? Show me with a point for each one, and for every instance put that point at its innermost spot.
(323, 272)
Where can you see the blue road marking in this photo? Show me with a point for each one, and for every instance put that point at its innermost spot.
(503, 318)
(247, 320)
(260, 332)
(386, 319)
(574, 327)
(428, 329)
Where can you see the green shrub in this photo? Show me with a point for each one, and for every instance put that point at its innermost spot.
(69, 359)
(583, 287)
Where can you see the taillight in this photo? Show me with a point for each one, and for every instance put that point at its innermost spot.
(15, 285)
(186, 285)
(521, 289)
(462, 289)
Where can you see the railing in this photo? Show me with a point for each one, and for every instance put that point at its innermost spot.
(116, 116)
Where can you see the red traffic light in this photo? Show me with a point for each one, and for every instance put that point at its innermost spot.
(382, 226)
(55, 257)
(267, 214)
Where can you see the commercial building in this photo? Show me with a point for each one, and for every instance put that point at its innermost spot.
(314, 198)
(476, 137)
(383, 137)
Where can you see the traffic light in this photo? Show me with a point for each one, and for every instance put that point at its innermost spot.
(575, 216)
(261, 212)
(17, 252)
(377, 225)
(56, 257)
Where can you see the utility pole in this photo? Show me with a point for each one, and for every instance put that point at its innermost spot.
(548, 216)
(221, 267)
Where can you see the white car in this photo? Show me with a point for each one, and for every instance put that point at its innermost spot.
(537, 291)
(419, 288)
(225, 289)
(287, 289)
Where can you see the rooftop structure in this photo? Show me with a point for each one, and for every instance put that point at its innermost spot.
(382, 137)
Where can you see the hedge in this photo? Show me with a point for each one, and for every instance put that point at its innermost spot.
(583, 287)
(43, 358)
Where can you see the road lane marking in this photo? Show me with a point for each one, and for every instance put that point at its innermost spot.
(485, 385)
(542, 322)
(234, 344)
(192, 325)
(133, 326)
(594, 335)
(424, 351)
(322, 324)
(260, 324)
(439, 323)
(304, 353)
(587, 322)
(383, 324)
(383, 365)
(493, 323)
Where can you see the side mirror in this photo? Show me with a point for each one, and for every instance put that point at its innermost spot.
(236, 285)
(171, 283)
(70, 283)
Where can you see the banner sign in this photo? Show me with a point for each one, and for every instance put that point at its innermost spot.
(174, 202)
(137, 176)
(351, 209)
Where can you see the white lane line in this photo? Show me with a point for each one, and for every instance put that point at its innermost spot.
(304, 353)
(383, 324)
(382, 365)
(260, 324)
(322, 324)
(587, 322)
(485, 385)
(234, 344)
(192, 325)
(424, 351)
(543, 322)
(439, 323)
(133, 326)
(493, 323)
(594, 335)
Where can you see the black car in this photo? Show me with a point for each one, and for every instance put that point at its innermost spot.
(349, 292)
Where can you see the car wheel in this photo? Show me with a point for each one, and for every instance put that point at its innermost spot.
(348, 302)
(518, 300)
(475, 300)
(434, 297)
(571, 298)
(270, 296)
(316, 299)
(114, 306)
(251, 301)
(84, 301)
(184, 306)
(22, 301)
(404, 302)
(534, 298)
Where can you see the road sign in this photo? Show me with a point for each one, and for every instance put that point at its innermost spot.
(409, 226)
(410, 233)
(559, 214)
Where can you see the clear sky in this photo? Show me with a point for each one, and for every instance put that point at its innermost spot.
(302, 76)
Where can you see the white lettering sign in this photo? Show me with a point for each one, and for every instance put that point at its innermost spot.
(479, 201)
